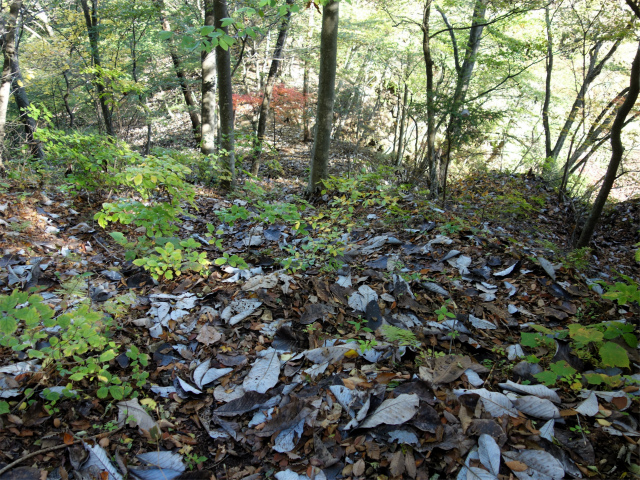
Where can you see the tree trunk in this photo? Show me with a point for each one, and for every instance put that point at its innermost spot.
(617, 150)
(65, 98)
(326, 96)
(93, 30)
(462, 84)
(23, 103)
(592, 73)
(306, 128)
(268, 88)
(209, 113)
(432, 160)
(9, 51)
(192, 108)
(547, 85)
(403, 117)
(225, 96)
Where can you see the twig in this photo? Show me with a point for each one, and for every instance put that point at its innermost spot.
(57, 447)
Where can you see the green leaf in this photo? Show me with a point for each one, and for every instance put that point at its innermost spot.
(583, 335)
(4, 407)
(8, 325)
(613, 355)
(227, 21)
(594, 378)
(563, 369)
(546, 377)
(223, 44)
(102, 392)
(631, 339)
(220, 261)
(206, 30)
(529, 339)
(108, 355)
(116, 392)
(137, 180)
(165, 35)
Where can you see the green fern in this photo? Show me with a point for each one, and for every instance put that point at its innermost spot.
(400, 335)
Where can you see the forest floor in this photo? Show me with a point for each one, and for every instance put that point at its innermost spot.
(401, 341)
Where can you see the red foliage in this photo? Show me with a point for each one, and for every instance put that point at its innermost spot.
(287, 103)
(246, 104)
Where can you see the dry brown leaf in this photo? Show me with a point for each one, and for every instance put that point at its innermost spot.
(449, 368)
(516, 466)
(396, 467)
(358, 468)
(410, 465)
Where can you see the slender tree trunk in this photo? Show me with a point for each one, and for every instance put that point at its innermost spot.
(547, 85)
(326, 96)
(617, 150)
(209, 108)
(464, 79)
(93, 30)
(225, 96)
(192, 108)
(65, 98)
(268, 88)
(23, 103)
(592, 73)
(432, 163)
(403, 117)
(9, 52)
(306, 127)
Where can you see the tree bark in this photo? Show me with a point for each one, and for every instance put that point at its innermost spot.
(432, 160)
(93, 31)
(192, 108)
(326, 96)
(547, 85)
(209, 113)
(225, 96)
(306, 128)
(65, 98)
(268, 88)
(617, 150)
(403, 117)
(8, 51)
(23, 103)
(462, 83)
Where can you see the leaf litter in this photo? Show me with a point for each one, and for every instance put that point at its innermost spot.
(281, 374)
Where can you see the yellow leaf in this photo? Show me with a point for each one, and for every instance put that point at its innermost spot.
(351, 354)
(137, 179)
(603, 422)
(20, 84)
(149, 402)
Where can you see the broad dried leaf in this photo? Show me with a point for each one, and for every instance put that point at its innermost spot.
(496, 404)
(98, 458)
(541, 465)
(589, 407)
(489, 453)
(449, 368)
(133, 409)
(541, 391)
(394, 411)
(481, 323)
(547, 430)
(264, 373)
(548, 267)
(537, 407)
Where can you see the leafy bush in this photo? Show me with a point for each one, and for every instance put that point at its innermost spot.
(77, 344)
